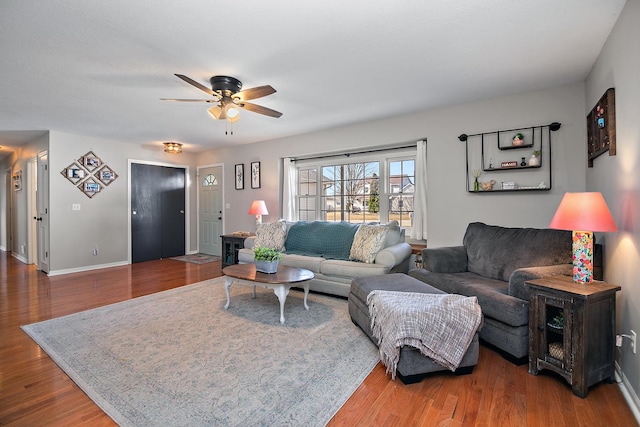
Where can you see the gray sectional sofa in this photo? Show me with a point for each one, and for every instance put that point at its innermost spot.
(325, 248)
(492, 264)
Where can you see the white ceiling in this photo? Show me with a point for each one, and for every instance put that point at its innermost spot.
(95, 67)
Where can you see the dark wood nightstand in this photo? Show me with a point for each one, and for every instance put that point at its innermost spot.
(231, 244)
(572, 330)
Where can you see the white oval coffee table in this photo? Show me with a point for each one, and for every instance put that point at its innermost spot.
(280, 282)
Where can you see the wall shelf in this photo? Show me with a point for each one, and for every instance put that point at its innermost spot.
(518, 174)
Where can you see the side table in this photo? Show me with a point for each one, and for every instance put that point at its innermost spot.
(231, 244)
(572, 330)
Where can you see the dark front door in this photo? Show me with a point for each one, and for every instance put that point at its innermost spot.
(157, 212)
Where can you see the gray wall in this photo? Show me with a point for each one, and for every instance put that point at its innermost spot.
(103, 219)
(451, 208)
(618, 177)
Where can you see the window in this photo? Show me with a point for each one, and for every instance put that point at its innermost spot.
(355, 191)
(209, 180)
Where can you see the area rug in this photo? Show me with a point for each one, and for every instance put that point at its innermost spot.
(197, 258)
(179, 358)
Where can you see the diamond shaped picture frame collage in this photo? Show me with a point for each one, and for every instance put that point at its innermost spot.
(89, 174)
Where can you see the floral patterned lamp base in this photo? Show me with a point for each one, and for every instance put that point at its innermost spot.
(582, 256)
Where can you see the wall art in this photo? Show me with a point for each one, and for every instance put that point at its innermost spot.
(89, 174)
(240, 176)
(601, 127)
(255, 174)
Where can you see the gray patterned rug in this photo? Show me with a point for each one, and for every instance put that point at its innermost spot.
(178, 358)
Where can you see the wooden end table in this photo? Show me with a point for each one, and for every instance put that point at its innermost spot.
(280, 282)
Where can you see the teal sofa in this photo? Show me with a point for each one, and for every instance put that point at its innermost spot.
(324, 248)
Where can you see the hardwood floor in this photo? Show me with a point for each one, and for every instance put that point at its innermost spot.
(34, 391)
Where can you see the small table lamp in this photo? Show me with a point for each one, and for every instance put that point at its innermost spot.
(258, 208)
(583, 213)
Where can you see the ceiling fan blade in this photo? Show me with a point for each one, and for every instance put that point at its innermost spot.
(254, 93)
(260, 109)
(188, 100)
(196, 84)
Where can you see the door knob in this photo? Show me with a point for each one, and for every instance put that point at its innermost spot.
(182, 211)
(219, 217)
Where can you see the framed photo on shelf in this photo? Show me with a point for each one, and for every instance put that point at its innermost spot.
(239, 176)
(255, 174)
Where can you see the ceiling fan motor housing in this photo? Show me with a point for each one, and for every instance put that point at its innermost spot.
(224, 83)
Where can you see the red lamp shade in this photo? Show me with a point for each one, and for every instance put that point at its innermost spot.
(258, 208)
(583, 213)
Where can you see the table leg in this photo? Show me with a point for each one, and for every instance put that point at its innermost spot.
(281, 292)
(227, 285)
(305, 285)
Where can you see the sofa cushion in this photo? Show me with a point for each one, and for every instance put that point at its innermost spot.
(271, 235)
(367, 242)
(330, 240)
(491, 293)
(341, 268)
(495, 252)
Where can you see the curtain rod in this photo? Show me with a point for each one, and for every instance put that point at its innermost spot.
(347, 154)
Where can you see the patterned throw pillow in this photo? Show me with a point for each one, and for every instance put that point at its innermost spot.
(367, 242)
(271, 235)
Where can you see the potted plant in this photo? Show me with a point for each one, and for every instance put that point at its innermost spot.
(534, 160)
(518, 139)
(266, 259)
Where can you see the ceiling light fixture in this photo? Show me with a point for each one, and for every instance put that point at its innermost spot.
(172, 147)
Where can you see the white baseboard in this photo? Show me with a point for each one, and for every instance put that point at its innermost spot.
(629, 394)
(87, 268)
(20, 258)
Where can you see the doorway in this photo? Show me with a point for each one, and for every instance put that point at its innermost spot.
(157, 212)
(210, 187)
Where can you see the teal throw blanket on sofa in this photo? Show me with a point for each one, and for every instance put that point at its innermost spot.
(330, 240)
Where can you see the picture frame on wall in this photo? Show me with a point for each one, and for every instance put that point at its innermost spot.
(239, 176)
(255, 174)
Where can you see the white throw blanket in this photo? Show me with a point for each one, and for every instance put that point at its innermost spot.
(441, 326)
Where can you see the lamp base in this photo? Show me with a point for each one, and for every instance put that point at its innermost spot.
(582, 256)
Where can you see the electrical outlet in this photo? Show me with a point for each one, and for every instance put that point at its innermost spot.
(95, 250)
(633, 341)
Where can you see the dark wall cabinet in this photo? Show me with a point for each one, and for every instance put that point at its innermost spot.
(572, 330)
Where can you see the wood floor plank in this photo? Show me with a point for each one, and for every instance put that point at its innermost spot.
(35, 391)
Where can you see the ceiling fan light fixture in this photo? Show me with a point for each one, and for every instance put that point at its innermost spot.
(172, 147)
(216, 112)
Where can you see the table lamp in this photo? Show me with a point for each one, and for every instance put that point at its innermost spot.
(258, 208)
(583, 213)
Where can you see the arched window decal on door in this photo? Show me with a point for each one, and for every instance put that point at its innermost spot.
(209, 180)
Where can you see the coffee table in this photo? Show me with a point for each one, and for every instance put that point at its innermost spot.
(280, 282)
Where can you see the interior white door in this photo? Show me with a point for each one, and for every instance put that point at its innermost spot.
(210, 210)
(42, 206)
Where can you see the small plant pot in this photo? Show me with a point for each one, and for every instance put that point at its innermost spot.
(534, 161)
(266, 266)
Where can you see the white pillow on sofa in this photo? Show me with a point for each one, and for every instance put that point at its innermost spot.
(271, 235)
(367, 242)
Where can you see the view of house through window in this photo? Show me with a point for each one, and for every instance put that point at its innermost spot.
(358, 191)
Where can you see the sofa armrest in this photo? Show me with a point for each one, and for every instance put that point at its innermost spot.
(451, 259)
(394, 255)
(249, 242)
(518, 277)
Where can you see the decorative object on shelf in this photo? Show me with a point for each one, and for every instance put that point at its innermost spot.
(239, 176)
(488, 186)
(172, 147)
(266, 259)
(583, 213)
(476, 184)
(518, 139)
(255, 174)
(601, 127)
(534, 160)
(258, 208)
(89, 174)
(490, 149)
(17, 180)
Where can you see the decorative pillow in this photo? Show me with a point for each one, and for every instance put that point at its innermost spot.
(271, 235)
(367, 242)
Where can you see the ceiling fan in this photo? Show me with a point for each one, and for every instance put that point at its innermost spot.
(228, 94)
